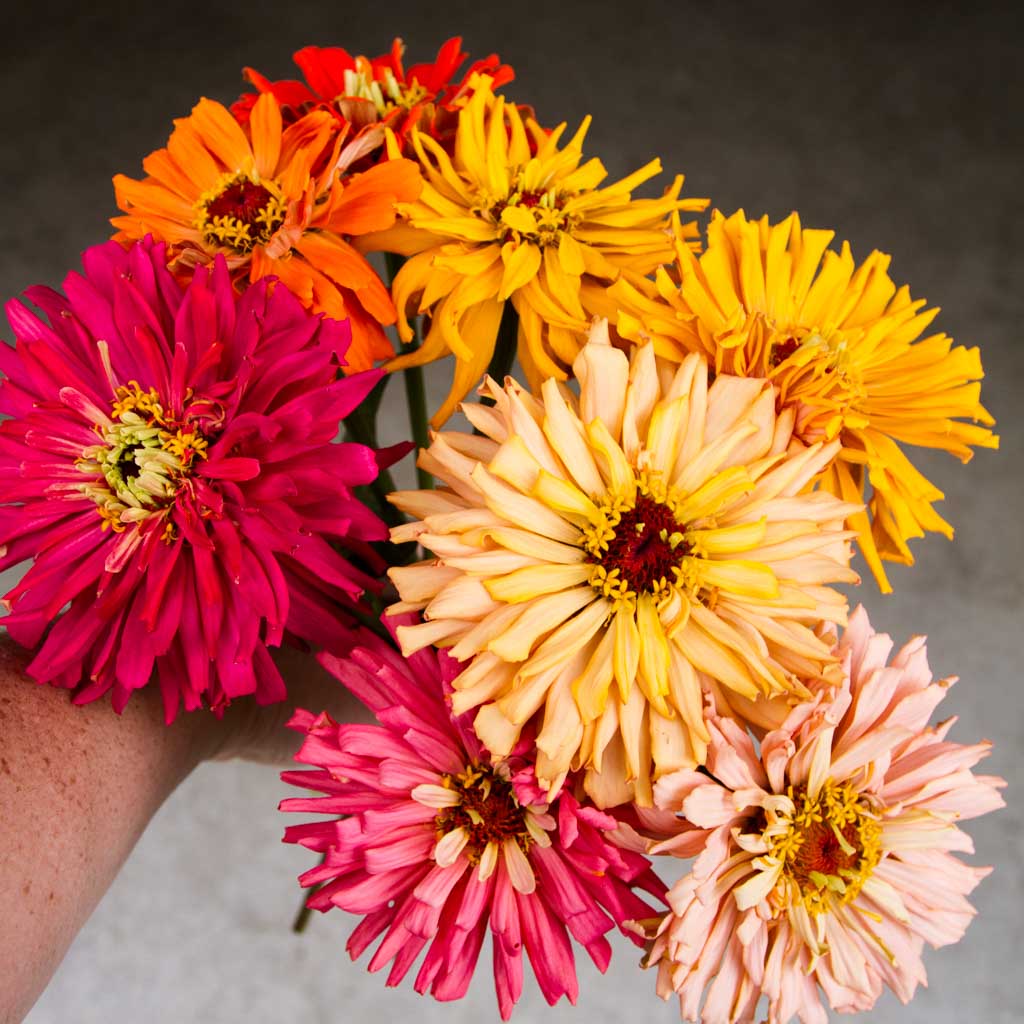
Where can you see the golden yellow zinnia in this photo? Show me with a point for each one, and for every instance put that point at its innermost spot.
(843, 346)
(510, 215)
(601, 561)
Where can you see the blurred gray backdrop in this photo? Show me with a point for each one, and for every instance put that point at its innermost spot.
(898, 126)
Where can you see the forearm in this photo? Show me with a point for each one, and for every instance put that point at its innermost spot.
(77, 787)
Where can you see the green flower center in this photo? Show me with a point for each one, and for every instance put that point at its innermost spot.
(142, 459)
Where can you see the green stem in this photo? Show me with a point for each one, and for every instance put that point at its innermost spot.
(361, 427)
(302, 917)
(394, 264)
(504, 348)
(369, 621)
(416, 397)
(415, 387)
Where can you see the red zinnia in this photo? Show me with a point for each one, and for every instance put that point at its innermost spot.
(376, 90)
(168, 464)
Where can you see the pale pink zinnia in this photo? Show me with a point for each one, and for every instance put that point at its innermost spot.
(824, 860)
(437, 844)
(168, 465)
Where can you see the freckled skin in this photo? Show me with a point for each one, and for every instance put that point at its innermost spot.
(78, 785)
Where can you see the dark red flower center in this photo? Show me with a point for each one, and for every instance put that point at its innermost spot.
(242, 201)
(782, 350)
(823, 854)
(530, 200)
(489, 811)
(242, 214)
(646, 546)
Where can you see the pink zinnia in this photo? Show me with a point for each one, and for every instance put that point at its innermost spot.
(169, 466)
(824, 860)
(437, 843)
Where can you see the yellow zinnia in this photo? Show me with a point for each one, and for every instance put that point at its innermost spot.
(601, 562)
(843, 346)
(510, 215)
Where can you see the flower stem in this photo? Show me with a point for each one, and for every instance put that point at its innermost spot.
(302, 917)
(416, 397)
(372, 622)
(361, 427)
(504, 348)
(415, 387)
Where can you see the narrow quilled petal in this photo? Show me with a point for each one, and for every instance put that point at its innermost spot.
(819, 888)
(184, 431)
(483, 853)
(600, 562)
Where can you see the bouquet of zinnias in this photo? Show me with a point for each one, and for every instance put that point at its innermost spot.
(613, 630)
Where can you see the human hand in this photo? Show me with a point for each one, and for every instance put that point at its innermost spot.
(250, 732)
(78, 785)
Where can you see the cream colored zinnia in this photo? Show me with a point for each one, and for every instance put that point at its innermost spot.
(598, 560)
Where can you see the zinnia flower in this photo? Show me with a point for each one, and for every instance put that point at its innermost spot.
(437, 843)
(503, 220)
(595, 556)
(825, 857)
(272, 200)
(166, 461)
(362, 91)
(844, 348)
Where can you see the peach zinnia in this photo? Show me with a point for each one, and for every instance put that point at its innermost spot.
(843, 346)
(273, 200)
(598, 560)
(824, 859)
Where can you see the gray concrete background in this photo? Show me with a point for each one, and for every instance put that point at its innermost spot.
(899, 127)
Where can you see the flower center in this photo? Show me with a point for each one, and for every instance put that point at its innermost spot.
(637, 547)
(537, 215)
(829, 846)
(142, 460)
(487, 809)
(385, 94)
(829, 358)
(240, 213)
(782, 350)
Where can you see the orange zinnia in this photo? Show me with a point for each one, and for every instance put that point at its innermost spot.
(273, 200)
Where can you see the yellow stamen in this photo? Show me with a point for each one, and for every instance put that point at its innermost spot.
(828, 846)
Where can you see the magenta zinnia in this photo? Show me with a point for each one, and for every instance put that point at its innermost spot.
(168, 466)
(825, 856)
(437, 844)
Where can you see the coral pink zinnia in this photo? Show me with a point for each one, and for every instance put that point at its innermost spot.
(826, 857)
(168, 465)
(438, 844)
